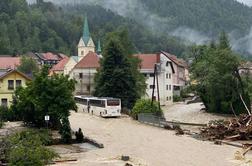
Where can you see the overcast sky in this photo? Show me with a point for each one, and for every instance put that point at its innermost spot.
(247, 2)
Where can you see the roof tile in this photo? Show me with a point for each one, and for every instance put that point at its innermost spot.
(91, 60)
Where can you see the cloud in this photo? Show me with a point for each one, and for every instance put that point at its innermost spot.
(191, 35)
(243, 44)
(246, 2)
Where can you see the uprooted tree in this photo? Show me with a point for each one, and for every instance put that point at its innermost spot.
(216, 72)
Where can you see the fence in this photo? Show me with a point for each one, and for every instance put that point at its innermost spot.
(161, 122)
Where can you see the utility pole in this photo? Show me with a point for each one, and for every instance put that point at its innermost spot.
(154, 86)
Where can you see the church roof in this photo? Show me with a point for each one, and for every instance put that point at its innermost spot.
(86, 33)
(91, 60)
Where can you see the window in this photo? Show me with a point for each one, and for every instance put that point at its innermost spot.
(88, 87)
(176, 88)
(169, 75)
(18, 83)
(80, 75)
(82, 52)
(113, 102)
(152, 86)
(151, 75)
(169, 87)
(167, 63)
(97, 103)
(10, 84)
(167, 98)
(4, 102)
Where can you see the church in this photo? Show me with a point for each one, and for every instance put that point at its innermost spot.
(83, 67)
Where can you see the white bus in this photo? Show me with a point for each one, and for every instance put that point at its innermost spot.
(104, 107)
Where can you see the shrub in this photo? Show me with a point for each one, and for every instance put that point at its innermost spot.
(177, 98)
(65, 131)
(7, 114)
(79, 136)
(144, 106)
(1, 124)
(26, 148)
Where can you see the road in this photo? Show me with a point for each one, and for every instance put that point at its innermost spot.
(146, 145)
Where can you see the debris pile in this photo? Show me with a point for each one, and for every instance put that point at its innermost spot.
(239, 128)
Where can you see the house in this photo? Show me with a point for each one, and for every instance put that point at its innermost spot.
(181, 74)
(9, 81)
(165, 72)
(47, 58)
(9, 62)
(73, 60)
(59, 67)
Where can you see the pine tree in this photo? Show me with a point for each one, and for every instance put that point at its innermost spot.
(115, 77)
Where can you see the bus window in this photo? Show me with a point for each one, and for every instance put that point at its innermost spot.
(113, 103)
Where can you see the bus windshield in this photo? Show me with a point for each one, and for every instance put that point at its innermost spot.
(113, 102)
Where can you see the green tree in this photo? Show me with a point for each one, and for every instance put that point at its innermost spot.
(219, 84)
(45, 95)
(5, 47)
(27, 148)
(65, 131)
(115, 77)
(28, 65)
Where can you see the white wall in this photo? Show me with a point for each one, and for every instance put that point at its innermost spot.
(166, 95)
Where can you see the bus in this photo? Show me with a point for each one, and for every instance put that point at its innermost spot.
(104, 107)
(82, 103)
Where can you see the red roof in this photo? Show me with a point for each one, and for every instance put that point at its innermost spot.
(148, 60)
(9, 62)
(176, 60)
(60, 66)
(91, 60)
(50, 56)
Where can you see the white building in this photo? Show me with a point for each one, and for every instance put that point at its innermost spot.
(180, 76)
(165, 73)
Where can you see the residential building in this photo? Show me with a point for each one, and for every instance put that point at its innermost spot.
(73, 60)
(9, 81)
(7, 62)
(47, 58)
(165, 72)
(181, 74)
(59, 67)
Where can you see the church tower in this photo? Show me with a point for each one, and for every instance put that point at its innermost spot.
(86, 43)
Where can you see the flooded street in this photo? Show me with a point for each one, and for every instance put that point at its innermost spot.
(146, 145)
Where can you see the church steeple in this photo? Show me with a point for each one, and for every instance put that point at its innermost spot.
(86, 43)
(98, 51)
(86, 34)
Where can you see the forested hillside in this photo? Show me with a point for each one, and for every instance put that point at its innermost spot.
(208, 16)
(151, 24)
(45, 27)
